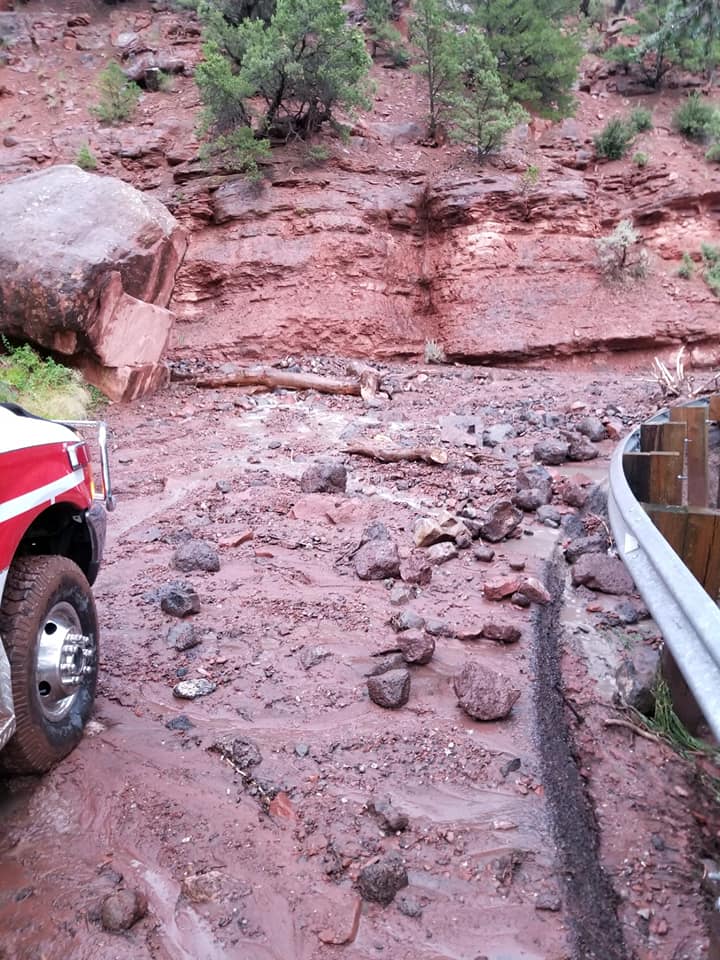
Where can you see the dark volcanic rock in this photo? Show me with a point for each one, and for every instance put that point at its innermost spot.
(600, 572)
(581, 449)
(592, 428)
(122, 909)
(380, 881)
(483, 693)
(391, 689)
(535, 478)
(179, 599)
(324, 477)
(416, 646)
(597, 543)
(182, 636)
(196, 555)
(394, 661)
(377, 560)
(551, 452)
(500, 521)
(528, 500)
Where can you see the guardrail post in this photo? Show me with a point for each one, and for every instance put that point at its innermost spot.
(695, 417)
(666, 437)
(654, 477)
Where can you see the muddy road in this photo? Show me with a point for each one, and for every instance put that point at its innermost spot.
(245, 816)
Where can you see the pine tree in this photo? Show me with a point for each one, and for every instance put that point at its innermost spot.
(439, 49)
(537, 55)
(482, 113)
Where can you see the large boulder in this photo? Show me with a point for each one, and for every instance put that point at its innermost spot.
(87, 268)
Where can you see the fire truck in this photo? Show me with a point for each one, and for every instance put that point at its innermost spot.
(52, 535)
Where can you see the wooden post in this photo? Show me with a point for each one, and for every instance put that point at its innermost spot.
(654, 477)
(714, 407)
(667, 437)
(697, 451)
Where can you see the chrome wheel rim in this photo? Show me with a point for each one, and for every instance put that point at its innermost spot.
(65, 657)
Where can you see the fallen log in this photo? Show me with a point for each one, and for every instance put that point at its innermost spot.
(273, 379)
(432, 455)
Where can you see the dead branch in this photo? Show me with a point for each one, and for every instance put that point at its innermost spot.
(653, 738)
(432, 455)
(273, 379)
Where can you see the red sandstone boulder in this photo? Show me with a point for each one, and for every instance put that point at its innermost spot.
(87, 268)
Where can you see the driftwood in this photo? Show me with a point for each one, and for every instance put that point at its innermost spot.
(432, 455)
(273, 378)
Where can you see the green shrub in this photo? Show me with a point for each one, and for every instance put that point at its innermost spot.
(238, 151)
(315, 154)
(711, 267)
(621, 254)
(41, 385)
(85, 158)
(434, 352)
(641, 120)
(615, 140)
(713, 154)
(118, 96)
(687, 267)
(697, 118)
(640, 159)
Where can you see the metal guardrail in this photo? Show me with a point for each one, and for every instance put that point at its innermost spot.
(687, 616)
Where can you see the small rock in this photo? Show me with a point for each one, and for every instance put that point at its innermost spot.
(301, 750)
(516, 565)
(535, 478)
(510, 767)
(312, 656)
(181, 722)
(408, 620)
(500, 521)
(574, 495)
(393, 662)
(636, 679)
(518, 600)
(409, 906)
(244, 752)
(400, 594)
(201, 887)
(447, 527)
(501, 632)
(377, 560)
(484, 694)
(500, 587)
(551, 452)
(416, 570)
(440, 553)
(484, 554)
(548, 901)
(324, 477)
(497, 434)
(380, 881)
(534, 591)
(179, 599)
(374, 531)
(581, 449)
(196, 555)
(223, 486)
(438, 628)
(388, 817)
(528, 500)
(192, 689)
(549, 516)
(122, 909)
(471, 631)
(601, 572)
(592, 428)
(182, 636)
(597, 543)
(390, 690)
(416, 647)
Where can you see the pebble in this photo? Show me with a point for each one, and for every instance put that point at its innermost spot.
(182, 636)
(483, 693)
(416, 646)
(324, 477)
(377, 560)
(179, 599)
(484, 554)
(196, 555)
(192, 689)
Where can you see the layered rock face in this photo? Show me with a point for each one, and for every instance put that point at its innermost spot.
(373, 262)
(87, 267)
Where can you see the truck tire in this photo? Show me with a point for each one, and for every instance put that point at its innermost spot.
(48, 625)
